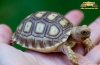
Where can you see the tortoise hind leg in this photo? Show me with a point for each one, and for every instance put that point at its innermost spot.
(70, 54)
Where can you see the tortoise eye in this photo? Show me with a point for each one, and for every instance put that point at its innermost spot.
(84, 32)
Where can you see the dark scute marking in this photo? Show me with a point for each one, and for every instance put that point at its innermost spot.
(48, 42)
(56, 41)
(23, 41)
(39, 43)
(26, 42)
(17, 37)
(36, 43)
(32, 42)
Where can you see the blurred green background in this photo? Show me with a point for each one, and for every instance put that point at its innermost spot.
(13, 11)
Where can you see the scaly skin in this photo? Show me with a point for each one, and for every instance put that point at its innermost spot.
(78, 34)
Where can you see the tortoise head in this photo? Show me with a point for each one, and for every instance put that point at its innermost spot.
(81, 32)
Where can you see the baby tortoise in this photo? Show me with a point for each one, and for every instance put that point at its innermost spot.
(48, 32)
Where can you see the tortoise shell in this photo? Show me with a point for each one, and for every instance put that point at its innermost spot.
(43, 31)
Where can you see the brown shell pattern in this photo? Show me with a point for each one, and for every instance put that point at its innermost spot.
(42, 30)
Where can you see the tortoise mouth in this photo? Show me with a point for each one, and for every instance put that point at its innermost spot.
(85, 36)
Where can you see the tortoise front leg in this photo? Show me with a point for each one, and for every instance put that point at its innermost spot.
(70, 54)
(88, 45)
